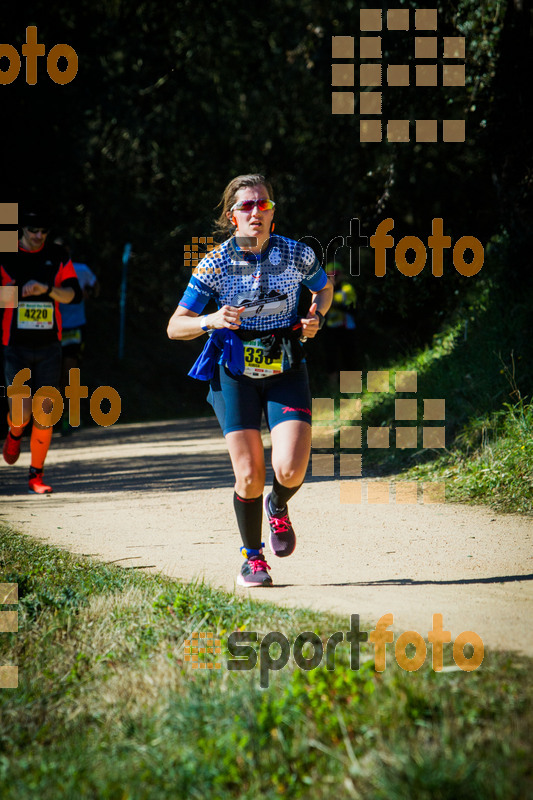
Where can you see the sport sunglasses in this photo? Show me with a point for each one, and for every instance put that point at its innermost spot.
(249, 205)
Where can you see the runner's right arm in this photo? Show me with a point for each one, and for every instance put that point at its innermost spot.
(186, 324)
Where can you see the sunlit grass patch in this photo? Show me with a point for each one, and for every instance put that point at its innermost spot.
(107, 707)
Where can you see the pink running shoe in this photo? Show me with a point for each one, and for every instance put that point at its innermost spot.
(282, 536)
(254, 570)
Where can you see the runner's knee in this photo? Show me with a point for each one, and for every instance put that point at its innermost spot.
(289, 475)
(250, 481)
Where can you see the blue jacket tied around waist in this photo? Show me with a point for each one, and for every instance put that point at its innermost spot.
(223, 341)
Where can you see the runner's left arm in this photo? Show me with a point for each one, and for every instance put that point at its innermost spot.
(321, 301)
(321, 290)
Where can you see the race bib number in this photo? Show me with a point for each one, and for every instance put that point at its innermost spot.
(256, 362)
(35, 316)
(71, 337)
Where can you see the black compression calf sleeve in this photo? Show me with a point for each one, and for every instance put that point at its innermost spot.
(281, 495)
(249, 515)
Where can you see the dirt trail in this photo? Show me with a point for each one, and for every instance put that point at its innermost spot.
(159, 496)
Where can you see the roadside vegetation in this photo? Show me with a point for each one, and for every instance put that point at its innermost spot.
(480, 363)
(107, 706)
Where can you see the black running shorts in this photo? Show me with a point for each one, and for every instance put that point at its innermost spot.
(239, 401)
(44, 363)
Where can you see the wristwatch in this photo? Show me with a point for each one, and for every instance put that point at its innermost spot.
(321, 318)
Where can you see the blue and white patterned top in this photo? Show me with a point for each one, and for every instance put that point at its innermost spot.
(268, 284)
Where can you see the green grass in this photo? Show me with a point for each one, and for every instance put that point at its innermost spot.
(107, 707)
(491, 463)
(480, 364)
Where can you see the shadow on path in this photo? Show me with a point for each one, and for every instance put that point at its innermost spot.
(411, 582)
(142, 472)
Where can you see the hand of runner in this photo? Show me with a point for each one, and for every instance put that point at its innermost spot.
(34, 288)
(226, 317)
(310, 322)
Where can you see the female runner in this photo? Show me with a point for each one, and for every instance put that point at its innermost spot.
(254, 359)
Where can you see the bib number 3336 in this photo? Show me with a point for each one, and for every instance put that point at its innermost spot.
(258, 365)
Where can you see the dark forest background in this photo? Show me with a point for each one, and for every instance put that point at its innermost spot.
(173, 99)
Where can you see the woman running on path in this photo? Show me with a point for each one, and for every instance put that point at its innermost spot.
(254, 359)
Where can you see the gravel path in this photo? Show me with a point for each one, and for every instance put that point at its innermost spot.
(159, 496)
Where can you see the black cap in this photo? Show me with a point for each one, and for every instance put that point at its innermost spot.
(36, 218)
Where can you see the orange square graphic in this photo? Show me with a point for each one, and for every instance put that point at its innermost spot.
(454, 47)
(350, 492)
(370, 130)
(405, 381)
(323, 436)
(351, 382)
(342, 103)
(9, 213)
(342, 75)
(323, 408)
(426, 130)
(406, 437)
(9, 241)
(434, 438)
(398, 75)
(9, 621)
(351, 436)
(342, 46)
(377, 437)
(378, 491)
(377, 381)
(370, 47)
(370, 74)
(398, 19)
(398, 130)
(405, 409)
(453, 130)
(426, 75)
(350, 408)
(426, 47)
(322, 465)
(406, 491)
(351, 465)
(8, 294)
(370, 19)
(453, 75)
(426, 19)
(434, 409)
(369, 103)
(434, 492)
(9, 677)
(9, 593)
